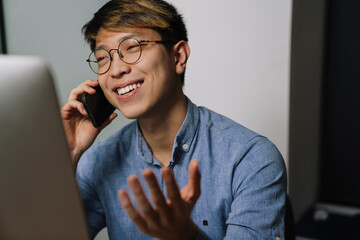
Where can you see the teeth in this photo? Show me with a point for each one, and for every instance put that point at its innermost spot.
(127, 89)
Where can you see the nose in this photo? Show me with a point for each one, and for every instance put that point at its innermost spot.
(118, 68)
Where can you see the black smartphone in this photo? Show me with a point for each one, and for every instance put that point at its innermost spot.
(97, 106)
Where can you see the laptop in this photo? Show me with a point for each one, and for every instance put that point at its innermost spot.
(39, 197)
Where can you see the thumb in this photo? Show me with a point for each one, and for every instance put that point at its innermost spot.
(191, 192)
(108, 121)
(194, 175)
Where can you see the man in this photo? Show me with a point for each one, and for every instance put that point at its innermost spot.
(143, 182)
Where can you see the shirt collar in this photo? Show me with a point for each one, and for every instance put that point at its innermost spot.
(183, 139)
(186, 133)
(143, 148)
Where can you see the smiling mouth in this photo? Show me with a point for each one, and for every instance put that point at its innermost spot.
(129, 88)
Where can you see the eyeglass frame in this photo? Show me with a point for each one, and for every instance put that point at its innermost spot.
(118, 52)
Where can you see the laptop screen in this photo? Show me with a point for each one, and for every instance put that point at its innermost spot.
(39, 198)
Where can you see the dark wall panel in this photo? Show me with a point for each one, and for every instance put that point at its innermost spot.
(340, 181)
(2, 30)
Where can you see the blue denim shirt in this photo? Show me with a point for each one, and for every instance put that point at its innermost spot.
(243, 178)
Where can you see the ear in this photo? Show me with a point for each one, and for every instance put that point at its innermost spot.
(181, 53)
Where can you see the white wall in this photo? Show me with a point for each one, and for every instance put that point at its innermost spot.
(239, 64)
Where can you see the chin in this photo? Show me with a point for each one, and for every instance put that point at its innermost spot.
(133, 110)
(131, 114)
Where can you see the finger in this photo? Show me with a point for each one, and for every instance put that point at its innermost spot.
(89, 82)
(156, 194)
(141, 199)
(87, 86)
(76, 93)
(194, 183)
(74, 104)
(172, 188)
(131, 211)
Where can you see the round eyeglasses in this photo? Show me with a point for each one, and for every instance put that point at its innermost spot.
(129, 51)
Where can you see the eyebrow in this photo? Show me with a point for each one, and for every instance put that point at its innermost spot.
(130, 35)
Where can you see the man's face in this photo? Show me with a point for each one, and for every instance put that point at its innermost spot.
(152, 78)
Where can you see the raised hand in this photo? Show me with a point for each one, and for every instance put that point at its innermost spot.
(168, 219)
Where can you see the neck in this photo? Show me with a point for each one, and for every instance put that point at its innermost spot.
(160, 130)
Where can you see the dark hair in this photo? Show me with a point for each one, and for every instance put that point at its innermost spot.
(158, 15)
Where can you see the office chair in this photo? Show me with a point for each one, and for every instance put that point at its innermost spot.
(289, 220)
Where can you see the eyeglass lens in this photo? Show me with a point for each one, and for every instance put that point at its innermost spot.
(129, 52)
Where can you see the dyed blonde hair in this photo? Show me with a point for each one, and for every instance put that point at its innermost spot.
(158, 15)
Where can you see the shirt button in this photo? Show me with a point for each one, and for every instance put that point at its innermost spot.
(185, 146)
(277, 238)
